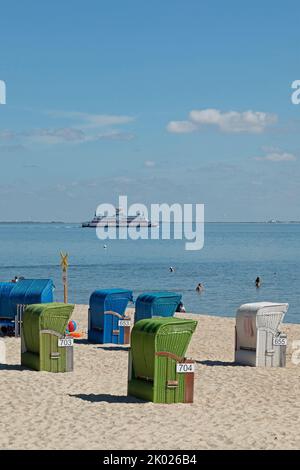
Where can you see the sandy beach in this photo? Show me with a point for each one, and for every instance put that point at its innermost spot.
(235, 407)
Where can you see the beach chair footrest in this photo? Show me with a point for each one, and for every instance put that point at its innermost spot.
(55, 355)
(172, 383)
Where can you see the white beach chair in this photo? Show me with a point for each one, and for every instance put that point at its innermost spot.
(258, 339)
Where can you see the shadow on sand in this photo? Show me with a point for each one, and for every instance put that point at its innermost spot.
(105, 397)
(12, 367)
(114, 348)
(81, 341)
(106, 348)
(218, 363)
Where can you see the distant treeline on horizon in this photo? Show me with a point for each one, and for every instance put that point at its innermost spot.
(30, 222)
(24, 222)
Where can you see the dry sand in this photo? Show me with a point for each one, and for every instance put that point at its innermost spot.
(235, 407)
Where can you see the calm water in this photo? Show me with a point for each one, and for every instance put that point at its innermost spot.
(233, 255)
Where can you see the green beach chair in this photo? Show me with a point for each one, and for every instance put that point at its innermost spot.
(43, 326)
(158, 370)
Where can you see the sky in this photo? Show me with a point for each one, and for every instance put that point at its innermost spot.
(165, 101)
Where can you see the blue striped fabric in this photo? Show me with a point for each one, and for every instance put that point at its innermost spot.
(156, 304)
(101, 325)
(25, 291)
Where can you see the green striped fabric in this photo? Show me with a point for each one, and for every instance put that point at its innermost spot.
(43, 324)
(151, 372)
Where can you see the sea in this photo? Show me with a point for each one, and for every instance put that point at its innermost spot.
(233, 255)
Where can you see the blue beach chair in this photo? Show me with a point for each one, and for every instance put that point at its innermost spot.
(107, 320)
(14, 297)
(156, 304)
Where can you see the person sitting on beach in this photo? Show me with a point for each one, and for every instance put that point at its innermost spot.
(200, 287)
(257, 282)
(180, 308)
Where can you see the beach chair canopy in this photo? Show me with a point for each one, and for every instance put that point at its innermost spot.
(157, 346)
(43, 326)
(150, 336)
(107, 310)
(40, 317)
(258, 315)
(106, 300)
(5, 304)
(24, 292)
(159, 304)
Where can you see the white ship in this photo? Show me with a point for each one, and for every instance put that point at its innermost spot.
(119, 220)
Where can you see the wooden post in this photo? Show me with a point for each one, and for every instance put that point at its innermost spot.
(64, 265)
(189, 384)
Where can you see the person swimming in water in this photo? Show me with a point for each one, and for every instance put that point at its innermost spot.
(171, 269)
(257, 282)
(200, 287)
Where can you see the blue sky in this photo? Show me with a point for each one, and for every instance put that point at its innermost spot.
(169, 101)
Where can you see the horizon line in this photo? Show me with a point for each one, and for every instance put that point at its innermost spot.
(273, 221)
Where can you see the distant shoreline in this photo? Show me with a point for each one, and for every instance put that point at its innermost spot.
(208, 222)
(33, 223)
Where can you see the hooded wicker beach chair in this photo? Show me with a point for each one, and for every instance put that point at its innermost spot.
(158, 348)
(43, 326)
(156, 304)
(258, 339)
(108, 322)
(15, 296)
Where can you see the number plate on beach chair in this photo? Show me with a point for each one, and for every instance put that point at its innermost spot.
(65, 342)
(185, 368)
(280, 341)
(124, 323)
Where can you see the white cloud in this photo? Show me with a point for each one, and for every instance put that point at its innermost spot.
(123, 180)
(48, 136)
(53, 136)
(252, 122)
(278, 156)
(113, 135)
(64, 135)
(92, 121)
(90, 128)
(149, 163)
(6, 135)
(181, 127)
(206, 116)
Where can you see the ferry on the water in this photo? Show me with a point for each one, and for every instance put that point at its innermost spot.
(119, 220)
